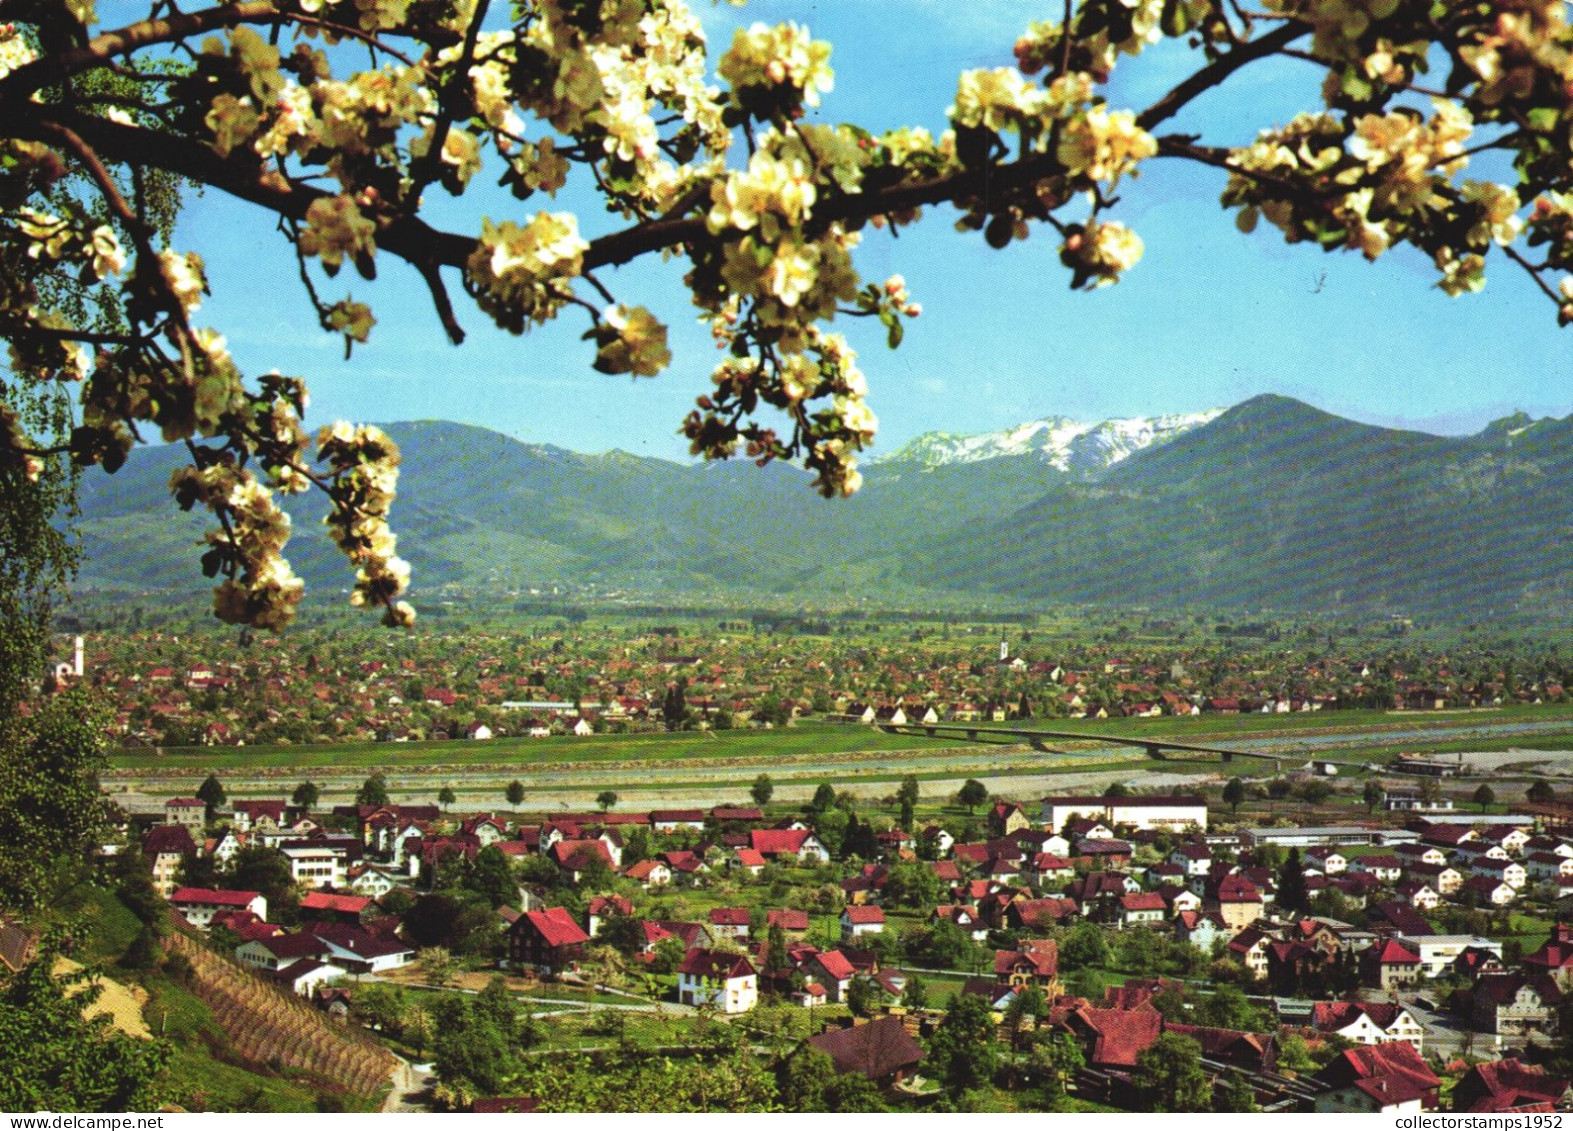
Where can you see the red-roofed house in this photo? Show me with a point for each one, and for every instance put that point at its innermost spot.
(328, 905)
(1390, 965)
(1037, 962)
(831, 970)
(800, 844)
(1368, 1023)
(788, 920)
(729, 922)
(549, 940)
(650, 873)
(749, 860)
(863, 920)
(199, 905)
(1114, 1038)
(1508, 1086)
(881, 1050)
(727, 981)
(1380, 1079)
(1143, 908)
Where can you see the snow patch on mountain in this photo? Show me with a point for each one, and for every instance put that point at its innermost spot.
(1064, 444)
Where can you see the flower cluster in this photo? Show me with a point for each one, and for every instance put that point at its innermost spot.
(631, 340)
(15, 51)
(774, 71)
(336, 227)
(364, 465)
(1387, 178)
(1099, 253)
(776, 193)
(999, 100)
(259, 589)
(522, 275)
(1100, 145)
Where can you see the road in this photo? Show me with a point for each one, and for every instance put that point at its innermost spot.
(409, 1082)
(1447, 1038)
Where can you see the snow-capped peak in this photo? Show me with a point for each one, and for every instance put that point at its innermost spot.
(1064, 444)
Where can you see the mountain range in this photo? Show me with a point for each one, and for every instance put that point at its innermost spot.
(1269, 504)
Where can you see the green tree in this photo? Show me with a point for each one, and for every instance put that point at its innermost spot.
(1053, 1060)
(972, 794)
(1541, 791)
(963, 1052)
(915, 994)
(1084, 945)
(491, 877)
(1234, 1094)
(59, 1060)
(1484, 796)
(824, 799)
(862, 996)
(907, 792)
(801, 1079)
(1372, 794)
(373, 791)
(211, 793)
(912, 883)
(1169, 1076)
(1233, 794)
(306, 796)
(606, 799)
(1292, 894)
(515, 793)
(49, 794)
(446, 796)
(762, 790)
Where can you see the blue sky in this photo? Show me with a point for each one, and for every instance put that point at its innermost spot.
(1209, 318)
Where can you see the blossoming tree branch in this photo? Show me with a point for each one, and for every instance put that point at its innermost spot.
(342, 117)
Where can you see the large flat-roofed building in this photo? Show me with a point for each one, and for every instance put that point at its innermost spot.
(1328, 836)
(1437, 952)
(1176, 813)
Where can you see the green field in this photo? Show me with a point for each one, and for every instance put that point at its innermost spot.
(809, 739)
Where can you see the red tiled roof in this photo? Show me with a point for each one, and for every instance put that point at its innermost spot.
(1507, 1085)
(788, 919)
(776, 842)
(1142, 901)
(555, 926)
(876, 1050)
(835, 964)
(1390, 1073)
(1396, 953)
(1119, 1035)
(214, 897)
(327, 901)
(714, 964)
(863, 915)
(729, 916)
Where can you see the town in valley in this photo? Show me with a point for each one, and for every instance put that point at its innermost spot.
(854, 862)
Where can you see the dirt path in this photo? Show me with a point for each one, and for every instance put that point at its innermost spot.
(408, 1083)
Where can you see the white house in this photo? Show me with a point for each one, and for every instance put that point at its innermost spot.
(727, 981)
(861, 920)
(1437, 952)
(199, 905)
(317, 865)
(1172, 813)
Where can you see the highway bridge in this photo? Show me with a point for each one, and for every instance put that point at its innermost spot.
(1038, 739)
